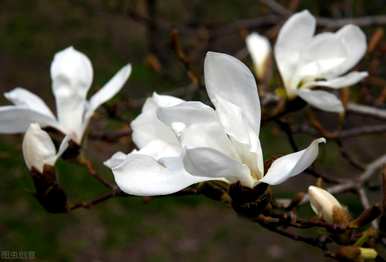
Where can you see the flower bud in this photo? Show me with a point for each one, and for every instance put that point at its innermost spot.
(327, 206)
(368, 253)
(260, 50)
(38, 148)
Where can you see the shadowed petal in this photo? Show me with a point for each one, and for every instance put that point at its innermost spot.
(212, 163)
(322, 100)
(147, 127)
(339, 82)
(14, 119)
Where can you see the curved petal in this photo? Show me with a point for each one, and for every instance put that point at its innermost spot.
(115, 160)
(208, 162)
(322, 100)
(183, 115)
(142, 175)
(297, 31)
(260, 50)
(147, 127)
(321, 57)
(293, 164)
(24, 98)
(71, 74)
(339, 82)
(38, 148)
(229, 79)
(210, 135)
(165, 100)
(160, 149)
(355, 43)
(110, 89)
(14, 119)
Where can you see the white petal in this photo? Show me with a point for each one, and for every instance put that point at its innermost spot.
(234, 122)
(14, 119)
(115, 160)
(147, 127)
(295, 34)
(321, 57)
(160, 149)
(142, 175)
(354, 40)
(339, 82)
(71, 74)
(210, 135)
(109, 90)
(208, 162)
(38, 148)
(185, 114)
(260, 50)
(229, 79)
(165, 100)
(24, 98)
(293, 164)
(322, 100)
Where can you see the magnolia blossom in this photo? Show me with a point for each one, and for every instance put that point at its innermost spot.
(185, 142)
(39, 150)
(306, 60)
(260, 50)
(323, 203)
(72, 75)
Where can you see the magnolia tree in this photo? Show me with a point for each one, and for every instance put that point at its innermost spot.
(186, 147)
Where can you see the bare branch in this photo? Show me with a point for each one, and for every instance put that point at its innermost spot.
(366, 111)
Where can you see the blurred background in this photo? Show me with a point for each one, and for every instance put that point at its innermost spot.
(116, 32)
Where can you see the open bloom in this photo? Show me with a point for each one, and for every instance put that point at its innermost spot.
(184, 142)
(71, 74)
(260, 51)
(39, 150)
(323, 203)
(306, 60)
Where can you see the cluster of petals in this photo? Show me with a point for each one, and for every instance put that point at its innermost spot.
(306, 60)
(72, 75)
(181, 143)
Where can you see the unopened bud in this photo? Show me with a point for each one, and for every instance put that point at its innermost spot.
(260, 50)
(368, 253)
(39, 149)
(327, 206)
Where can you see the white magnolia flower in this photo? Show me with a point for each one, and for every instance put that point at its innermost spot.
(39, 150)
(72, 75)
(306, 60)
(181, 143)
(323, 203)
(260, 51)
